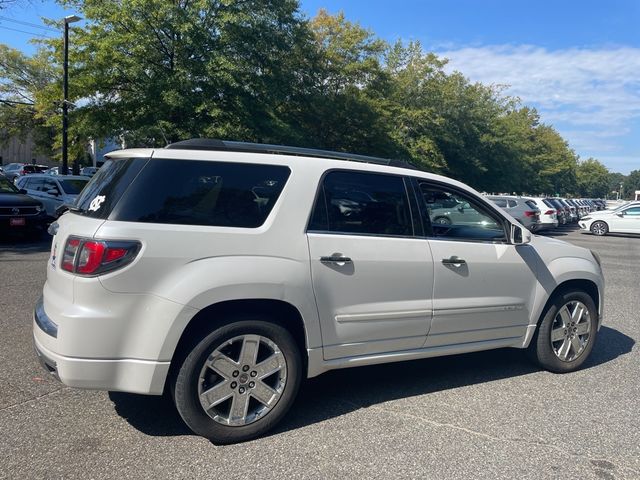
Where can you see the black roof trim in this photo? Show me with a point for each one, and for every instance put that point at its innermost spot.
(226, 145)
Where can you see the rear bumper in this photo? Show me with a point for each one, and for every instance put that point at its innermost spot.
(122, 374)
(117, 374)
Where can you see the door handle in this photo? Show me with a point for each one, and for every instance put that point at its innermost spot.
(453, 261)
(335, 258)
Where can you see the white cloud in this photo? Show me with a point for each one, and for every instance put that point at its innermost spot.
(592, 95)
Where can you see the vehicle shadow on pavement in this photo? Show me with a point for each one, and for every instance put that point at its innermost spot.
(561, 231)
(343, 391)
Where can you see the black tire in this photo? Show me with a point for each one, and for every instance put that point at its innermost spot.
(541, 350)
(442, 221)
(185, 381)
(599, 228)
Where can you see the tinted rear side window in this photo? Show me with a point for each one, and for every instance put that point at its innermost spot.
(203, 193)
(362, 203)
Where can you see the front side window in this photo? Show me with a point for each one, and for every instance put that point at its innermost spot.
(634, 212)
(51, 187)
(466, 219)
(73, 186)
(36, 184)
(362, 204)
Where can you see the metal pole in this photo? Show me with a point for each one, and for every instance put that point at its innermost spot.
(65, 94)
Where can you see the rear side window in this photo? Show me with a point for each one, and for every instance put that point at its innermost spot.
(362, 203)
(500, 202)
(202, 193)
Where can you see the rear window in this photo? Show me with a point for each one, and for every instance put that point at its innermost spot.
(202, 193)
(107, 186)
(532, 204)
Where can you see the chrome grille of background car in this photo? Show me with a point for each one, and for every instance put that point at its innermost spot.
(11, 211)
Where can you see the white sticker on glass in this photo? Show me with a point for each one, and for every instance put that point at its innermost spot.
(96, 203)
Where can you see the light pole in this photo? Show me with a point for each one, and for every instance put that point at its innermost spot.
(65, 91)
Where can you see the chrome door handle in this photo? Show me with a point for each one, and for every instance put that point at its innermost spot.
(453, 261)
(335, 258)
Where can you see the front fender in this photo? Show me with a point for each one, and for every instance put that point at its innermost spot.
(553, 275)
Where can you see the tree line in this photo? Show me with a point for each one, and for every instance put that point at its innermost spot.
(153, 72)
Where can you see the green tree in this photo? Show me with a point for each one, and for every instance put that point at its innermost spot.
(23, 80)
(631, 184)
(157, 71)
(592, 179)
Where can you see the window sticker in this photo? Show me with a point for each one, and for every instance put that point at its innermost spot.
(96, 203)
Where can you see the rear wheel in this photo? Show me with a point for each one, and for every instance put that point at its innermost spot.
(566, 333)
(238, 381)
(599, 228)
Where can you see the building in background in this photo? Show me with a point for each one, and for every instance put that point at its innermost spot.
(18, 150)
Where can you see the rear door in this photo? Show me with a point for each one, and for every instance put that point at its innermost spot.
(484, 287)
(372, 277)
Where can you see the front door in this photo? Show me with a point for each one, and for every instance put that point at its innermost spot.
(625, 221)
(372, 278)
(483, 287)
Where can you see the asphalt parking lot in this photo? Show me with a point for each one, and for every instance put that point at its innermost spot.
(483, 415)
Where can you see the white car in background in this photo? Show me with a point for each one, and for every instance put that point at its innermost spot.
(548, 215)
(53, 190)
(625, 219)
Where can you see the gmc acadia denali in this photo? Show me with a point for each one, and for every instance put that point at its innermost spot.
(225, 272)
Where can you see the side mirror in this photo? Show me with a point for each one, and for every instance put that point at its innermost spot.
(621, 214)
(520, 235)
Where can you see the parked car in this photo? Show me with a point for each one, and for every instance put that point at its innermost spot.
(548, 214)
(225, 272)
(522, 209)
(53, 191)
(88, 171)
(623, 220)
(11, 169)
(52, 171)
(19, 212)
(24, 169)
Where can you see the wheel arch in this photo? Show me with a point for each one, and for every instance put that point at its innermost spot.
(278, 311)
(583, 284)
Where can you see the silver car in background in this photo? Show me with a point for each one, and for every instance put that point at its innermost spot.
(522, 209)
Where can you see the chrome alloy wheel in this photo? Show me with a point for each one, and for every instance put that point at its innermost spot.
(242, 380)
(570, 331)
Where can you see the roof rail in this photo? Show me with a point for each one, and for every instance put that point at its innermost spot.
(225, 145)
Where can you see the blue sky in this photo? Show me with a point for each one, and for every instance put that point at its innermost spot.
(578, 62)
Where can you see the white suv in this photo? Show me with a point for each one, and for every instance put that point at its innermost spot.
(224, 273)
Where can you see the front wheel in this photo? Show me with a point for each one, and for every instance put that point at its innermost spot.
(599, 228)
(567, 332)
(238, 381)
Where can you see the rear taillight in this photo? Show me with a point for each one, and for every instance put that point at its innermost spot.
(549, 212)
(530, 213)
(88, 257)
